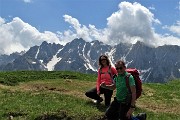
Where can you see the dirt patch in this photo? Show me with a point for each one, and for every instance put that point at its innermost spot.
(41, 87)
(154, 107)
(3, 86)
(148, 91)
(53, 87)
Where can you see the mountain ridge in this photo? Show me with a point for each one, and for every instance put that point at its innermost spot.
(158, 64)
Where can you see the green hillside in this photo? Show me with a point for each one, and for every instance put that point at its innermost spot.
(40, 95)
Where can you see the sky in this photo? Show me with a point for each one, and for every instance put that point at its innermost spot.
(25, 23)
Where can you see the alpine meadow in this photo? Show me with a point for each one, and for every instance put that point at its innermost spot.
(50, 95)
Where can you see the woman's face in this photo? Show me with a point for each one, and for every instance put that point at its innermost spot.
(103, 60)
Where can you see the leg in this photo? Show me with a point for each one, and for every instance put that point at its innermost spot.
(112, 112)
(123, 111)
(93, 94)
(107, 95)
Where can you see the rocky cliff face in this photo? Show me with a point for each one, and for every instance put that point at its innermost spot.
(154, 64)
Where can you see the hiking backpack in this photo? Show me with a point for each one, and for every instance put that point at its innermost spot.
(134, 72)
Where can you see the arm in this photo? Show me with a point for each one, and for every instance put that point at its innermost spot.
(130, 111)
(132, 105)
(98, 82)
(113, 73)
(133, 91)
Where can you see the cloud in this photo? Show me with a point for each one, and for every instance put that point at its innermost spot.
(131, 23)
(166, 40)
(174, 28)
(17, 36)
(27, 1)
(152, 8)
(2, 21)
(80, 31)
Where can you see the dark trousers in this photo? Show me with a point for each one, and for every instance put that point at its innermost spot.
(107, 94)
(117, 111)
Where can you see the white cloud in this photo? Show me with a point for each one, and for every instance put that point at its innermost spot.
(166, 40)
(131, 23)
(174, 28)
(2, 21)
(152, 8)
(27, 1)
(81, 31)
(18, 36)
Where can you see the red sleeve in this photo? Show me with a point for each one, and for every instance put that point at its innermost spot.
(98, 81)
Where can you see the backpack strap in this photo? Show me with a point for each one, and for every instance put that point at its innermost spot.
(127, 82)
(109, 71)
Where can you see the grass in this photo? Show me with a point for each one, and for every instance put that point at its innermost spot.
(39, 95)
(33, 105)
(14, 77)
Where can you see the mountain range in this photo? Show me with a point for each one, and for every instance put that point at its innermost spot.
(155, 64)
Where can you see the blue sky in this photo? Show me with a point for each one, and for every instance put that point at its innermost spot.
(155, 22)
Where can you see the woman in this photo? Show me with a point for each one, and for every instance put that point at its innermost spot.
(105, 75)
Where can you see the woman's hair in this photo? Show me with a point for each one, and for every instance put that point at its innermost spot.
(107, 59)
(120, 62)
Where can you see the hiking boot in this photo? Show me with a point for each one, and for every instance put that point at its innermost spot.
(141, 116)
(98, 101)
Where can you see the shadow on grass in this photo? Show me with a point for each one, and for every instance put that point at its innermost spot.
(11, 115)
(63, 115)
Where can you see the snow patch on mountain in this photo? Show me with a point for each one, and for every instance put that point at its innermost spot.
(33, 62)
(53, 61)
(145, 71)
(70, 61)
(37, 53)
(128, 63)
(110, 55)
(87, 61)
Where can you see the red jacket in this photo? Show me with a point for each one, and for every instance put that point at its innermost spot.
(104, 76)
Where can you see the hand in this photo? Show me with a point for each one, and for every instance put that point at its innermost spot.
(129, 113)
(103, 85)
(98, 92)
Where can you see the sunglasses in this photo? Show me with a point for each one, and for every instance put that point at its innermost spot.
(103, 59)
(117, 68)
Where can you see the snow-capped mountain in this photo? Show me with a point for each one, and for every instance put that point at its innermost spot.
(154, 64)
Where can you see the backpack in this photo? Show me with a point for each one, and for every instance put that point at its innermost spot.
(134, 72)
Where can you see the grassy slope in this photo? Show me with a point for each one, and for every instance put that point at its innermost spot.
(61, 95)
